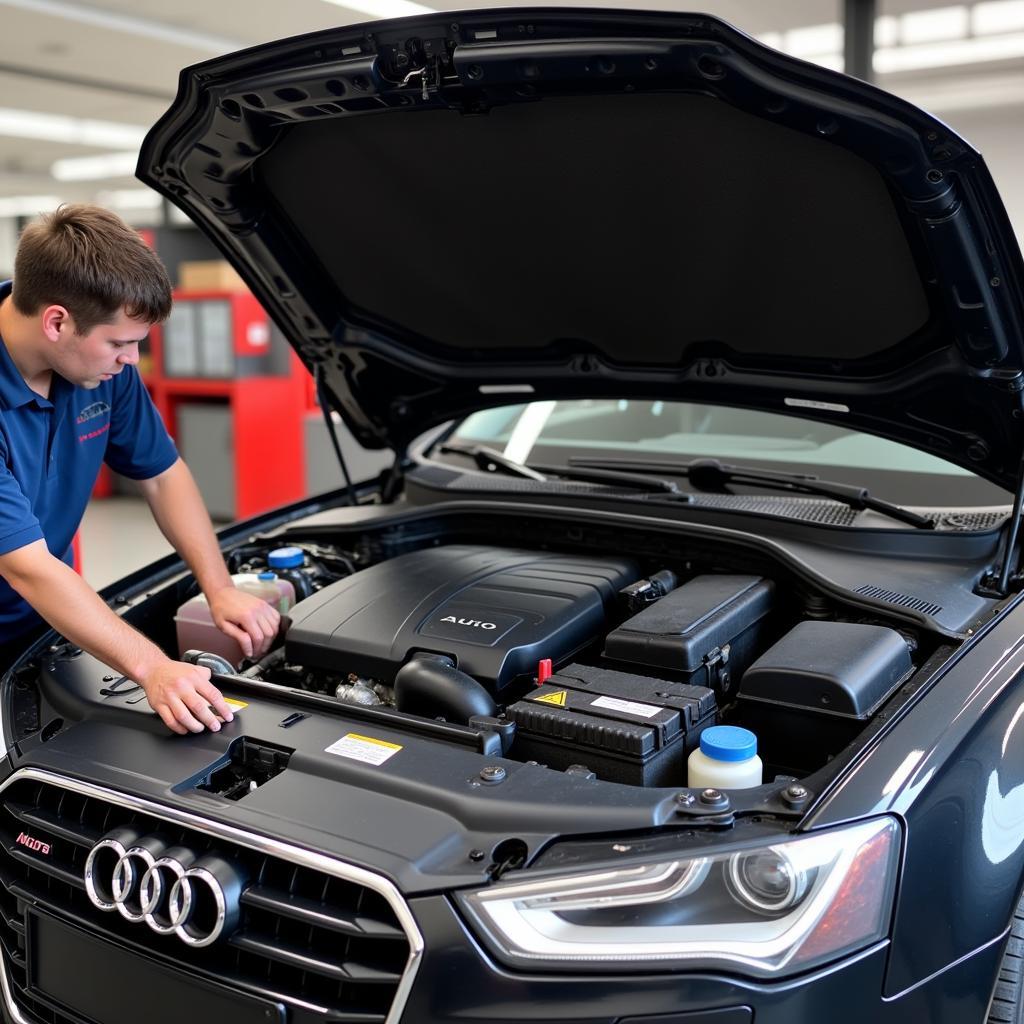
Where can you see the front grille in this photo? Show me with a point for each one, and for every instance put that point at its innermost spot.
(331, 946)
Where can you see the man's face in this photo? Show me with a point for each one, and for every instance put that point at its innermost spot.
(89, 359)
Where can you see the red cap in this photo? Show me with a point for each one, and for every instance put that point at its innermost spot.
(543, 671)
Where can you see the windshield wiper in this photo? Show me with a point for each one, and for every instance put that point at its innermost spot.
(712, 475)
(494, 461)
(491, 460)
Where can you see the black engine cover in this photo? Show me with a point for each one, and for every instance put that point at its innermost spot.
(495, 611)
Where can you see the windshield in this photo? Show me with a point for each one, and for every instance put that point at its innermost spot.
(551, 433)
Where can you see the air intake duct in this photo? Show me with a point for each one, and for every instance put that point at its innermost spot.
(431, 685)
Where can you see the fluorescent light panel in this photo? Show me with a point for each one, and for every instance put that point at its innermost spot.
(32, 124)
(887, 30)
(997, 16)
(27, 206)
(935, 25)
(96, 168)
(939, 37)
(129, 199)
(384, 8)
(959, 51)
(128, 24)
(814, 40)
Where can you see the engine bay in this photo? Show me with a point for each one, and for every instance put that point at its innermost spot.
(602, 666)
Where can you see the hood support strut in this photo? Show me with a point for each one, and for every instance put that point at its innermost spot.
(1005, 576)
(326, 407)
(1008, 570)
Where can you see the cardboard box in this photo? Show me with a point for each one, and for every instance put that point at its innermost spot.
(209, 276)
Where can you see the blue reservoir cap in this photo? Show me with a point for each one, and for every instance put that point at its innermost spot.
(267, 576)
(286, 558)
(728, 743)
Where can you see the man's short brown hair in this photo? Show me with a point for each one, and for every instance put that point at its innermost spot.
(88, 260)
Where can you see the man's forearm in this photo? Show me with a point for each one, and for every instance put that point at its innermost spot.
(182, 695)
(72, 607)
(178, 509)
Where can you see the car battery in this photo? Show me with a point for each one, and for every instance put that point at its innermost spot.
(623, 727)
(707, 631)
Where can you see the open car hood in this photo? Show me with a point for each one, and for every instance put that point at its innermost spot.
(605, 204)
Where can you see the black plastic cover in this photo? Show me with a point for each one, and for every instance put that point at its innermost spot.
(496, 612)
(840, 668)
(691, 626)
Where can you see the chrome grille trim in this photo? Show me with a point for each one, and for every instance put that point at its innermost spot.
(250, 840)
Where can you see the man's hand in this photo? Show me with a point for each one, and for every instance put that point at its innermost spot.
(245, 618)
(182, 694)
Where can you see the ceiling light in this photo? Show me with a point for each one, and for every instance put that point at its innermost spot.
(129, 199)
(95, 168)
(27, 206)
(126, 23)
(814, 40)
(384, 8)
(997, 16)
(886, 30)
(31, 124)
(959, 51)
(931, 26)
(944, 96)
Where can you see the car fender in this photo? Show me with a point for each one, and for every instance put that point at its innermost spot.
(951, 766)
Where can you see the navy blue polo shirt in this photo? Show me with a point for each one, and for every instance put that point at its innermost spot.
(50, 455)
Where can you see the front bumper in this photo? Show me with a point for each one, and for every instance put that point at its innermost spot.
(447, 977)
(455, 984)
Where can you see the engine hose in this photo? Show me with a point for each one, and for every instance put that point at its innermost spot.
(431, 685)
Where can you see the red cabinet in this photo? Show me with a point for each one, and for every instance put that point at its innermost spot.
(218, 348)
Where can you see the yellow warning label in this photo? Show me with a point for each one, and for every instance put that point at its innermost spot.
(557, 698)
(373, 739)
(367, 749)
(235, 705)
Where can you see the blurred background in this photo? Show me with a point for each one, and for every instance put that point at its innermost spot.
(80, 84)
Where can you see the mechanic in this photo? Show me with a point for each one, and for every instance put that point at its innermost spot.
(86, 292)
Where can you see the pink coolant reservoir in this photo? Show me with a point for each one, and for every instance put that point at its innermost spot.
(195, 626)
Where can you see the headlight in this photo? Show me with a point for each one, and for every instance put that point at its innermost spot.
(765, 911)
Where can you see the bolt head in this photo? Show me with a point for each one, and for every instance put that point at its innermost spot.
(492, 773)
(711, 796)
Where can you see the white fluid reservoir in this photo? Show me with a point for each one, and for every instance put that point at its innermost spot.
(726, 759)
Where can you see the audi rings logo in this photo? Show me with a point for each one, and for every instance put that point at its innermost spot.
(145, 878)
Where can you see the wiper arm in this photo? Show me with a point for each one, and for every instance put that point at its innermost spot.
(712, 475)
(606, 475)
(491, 460)
(494, 461)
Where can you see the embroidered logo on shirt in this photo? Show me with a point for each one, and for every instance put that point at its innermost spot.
(93, 433)
(90, 412)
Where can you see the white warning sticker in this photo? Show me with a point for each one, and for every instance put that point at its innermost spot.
(629, 706)
(363, 748)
